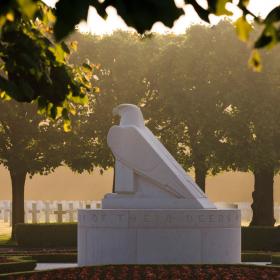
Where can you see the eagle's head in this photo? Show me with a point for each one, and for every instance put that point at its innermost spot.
(130, 115)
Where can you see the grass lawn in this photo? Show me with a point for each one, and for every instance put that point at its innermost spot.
(5, 239)
(5, 235)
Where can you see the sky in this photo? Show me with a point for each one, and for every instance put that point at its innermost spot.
(96, 25)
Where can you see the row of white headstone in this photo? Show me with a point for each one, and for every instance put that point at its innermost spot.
(66, 211)
(47, 211)
(246, 210)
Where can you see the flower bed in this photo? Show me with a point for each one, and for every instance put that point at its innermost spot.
(155, 272)
(6, 260)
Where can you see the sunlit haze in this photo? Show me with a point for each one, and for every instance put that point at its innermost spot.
(96, 25)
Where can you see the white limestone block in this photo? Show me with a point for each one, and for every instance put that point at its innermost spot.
(158, 215)
(162, 236)
(168, 246)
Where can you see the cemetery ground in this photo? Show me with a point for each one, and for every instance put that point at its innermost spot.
(5, 234)
(59, 262)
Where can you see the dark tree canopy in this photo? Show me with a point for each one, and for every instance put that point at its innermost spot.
(143, 14)
(209, 110)
(36, 69)
(17, 30)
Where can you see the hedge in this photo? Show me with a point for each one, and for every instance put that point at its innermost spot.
(46, 235)
(275, 259)
(256, 257)
(65, 235)
(17, 264)
(260, 239)
(55, 258)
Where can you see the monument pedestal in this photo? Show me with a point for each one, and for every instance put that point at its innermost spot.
(159, 236)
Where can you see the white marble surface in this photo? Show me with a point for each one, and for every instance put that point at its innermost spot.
(45, 266)
(146, 171)
(158, 215)
(180, 236)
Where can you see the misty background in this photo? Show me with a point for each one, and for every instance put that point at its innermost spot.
(63, 184)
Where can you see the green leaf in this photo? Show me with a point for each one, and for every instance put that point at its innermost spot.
(58, 52)
(243, 29)
(87, 67)
(245, 3)
(74, 46)
(65, 47)
(141, 14)
(28, 7)
(263, 41)
(69, 14)
(273, 16)
(138, 14)
(67, 125)
(221, 8)
(255, 61)
(64, 113)
(53, 112)
(10, 16)
(268, 38)
(80, 99)
(26, 90)
(4, 96)
(42, 105)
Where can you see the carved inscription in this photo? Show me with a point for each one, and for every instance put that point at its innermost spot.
(157, 218)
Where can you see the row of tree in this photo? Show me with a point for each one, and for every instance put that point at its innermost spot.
(210, 111)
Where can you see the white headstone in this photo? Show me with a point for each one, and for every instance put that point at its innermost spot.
(34, 211)
(10, 213)
(158, 215)
(81, 204)
(7, 211)
(71, 212)
(59, 213)
(47, 211)
(1, 210)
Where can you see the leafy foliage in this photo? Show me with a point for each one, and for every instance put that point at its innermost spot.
(40, 62)
(35, 69)
(143, 14)
(27, 140)
(31, 144)
(211, 112)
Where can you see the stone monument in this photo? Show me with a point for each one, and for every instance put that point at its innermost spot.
(157, 215)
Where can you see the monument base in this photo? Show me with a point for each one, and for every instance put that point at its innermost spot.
(151, 236)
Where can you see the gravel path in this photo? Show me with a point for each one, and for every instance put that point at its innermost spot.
(44, 266)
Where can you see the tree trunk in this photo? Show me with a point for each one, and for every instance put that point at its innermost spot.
(263, 205)
(18, 181)
(200, 177)
(114, 178)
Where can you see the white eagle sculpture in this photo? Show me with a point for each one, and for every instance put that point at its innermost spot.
(146, 174)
